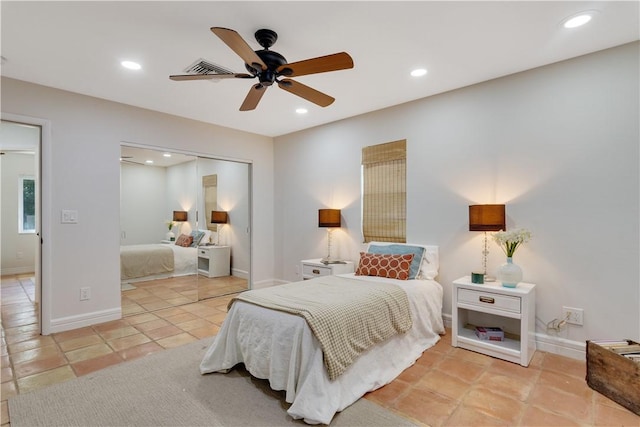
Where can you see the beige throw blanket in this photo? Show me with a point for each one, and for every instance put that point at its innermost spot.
(346, 315)
(145, 260)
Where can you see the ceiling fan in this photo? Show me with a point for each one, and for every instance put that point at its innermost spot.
(269, 67)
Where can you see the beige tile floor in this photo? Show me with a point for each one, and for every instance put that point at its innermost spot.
(446, 387)
(159, 294)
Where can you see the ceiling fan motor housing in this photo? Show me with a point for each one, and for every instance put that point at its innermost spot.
(272, 60)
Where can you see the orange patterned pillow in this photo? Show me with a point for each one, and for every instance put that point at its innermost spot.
(385, 265)
(184, 240)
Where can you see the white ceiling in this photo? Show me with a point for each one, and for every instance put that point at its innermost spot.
(77, 46)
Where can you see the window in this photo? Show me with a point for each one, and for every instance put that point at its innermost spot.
(384, 192)
(27, 205)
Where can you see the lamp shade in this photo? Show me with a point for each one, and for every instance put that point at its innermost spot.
(219, 217)
(487, 218)
(180, 216)
(328, 217)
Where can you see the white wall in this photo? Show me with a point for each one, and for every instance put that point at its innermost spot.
(143, 200)
(17, 249)
(181, 194)
(558, 145)
(82, 161)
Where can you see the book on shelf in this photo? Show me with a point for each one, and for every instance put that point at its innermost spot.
(489, 333)
(626, 348)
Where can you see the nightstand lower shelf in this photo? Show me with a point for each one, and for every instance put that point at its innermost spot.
(508, 349)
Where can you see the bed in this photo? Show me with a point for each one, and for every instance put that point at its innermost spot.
(156, 261)
(282, 348)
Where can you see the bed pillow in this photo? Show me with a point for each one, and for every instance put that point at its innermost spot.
(184, 240)
(393, 266)
(430, 264)
(197, 236)
(397, 249)
(206, 239)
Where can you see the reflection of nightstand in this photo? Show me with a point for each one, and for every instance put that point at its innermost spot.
(214, 261)
(512, 309)
(314, 268)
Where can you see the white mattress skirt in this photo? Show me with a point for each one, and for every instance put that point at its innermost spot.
(280, 347)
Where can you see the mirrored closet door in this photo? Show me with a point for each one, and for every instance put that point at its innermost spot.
(171, 253)
(223, 215)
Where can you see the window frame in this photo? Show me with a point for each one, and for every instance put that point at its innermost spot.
(21, 224)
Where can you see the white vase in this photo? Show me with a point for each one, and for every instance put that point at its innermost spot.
(171, 236)
(510, 274)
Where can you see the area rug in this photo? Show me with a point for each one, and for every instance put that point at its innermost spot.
(166, 389)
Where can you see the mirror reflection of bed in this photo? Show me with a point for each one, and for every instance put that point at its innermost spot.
(166, 230)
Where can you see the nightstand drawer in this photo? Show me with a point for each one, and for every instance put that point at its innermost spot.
(315, 270)
(203, 253)
(488, 299)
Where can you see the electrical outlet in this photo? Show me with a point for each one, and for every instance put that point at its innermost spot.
(574, 316)
(85, 294)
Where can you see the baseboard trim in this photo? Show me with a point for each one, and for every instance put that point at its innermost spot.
(446, 319)
(10, 271)
(86, 319)
(561, 346)
(242, 274)
(267, 283)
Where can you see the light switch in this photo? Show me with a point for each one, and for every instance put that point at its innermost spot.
(69, 217)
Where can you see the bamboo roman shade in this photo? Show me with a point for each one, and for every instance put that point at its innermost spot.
(384, 192)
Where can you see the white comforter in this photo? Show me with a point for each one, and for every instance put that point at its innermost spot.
(280, 347)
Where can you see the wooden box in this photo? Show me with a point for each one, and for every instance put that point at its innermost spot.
(613, 374)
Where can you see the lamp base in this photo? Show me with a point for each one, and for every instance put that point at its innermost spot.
(489, 278)
(329, 260)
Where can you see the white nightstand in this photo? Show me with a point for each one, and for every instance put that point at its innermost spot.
(315, 268)
(512, 309)
(214, 261)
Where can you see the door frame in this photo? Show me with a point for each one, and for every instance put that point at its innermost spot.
(42, 275)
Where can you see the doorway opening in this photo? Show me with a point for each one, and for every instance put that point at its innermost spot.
(20, 261)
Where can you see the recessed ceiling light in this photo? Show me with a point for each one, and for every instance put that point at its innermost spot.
(302, 110)
(578, 19)
(149, 162)
(166, 155)
(131, 65)
(419, 72)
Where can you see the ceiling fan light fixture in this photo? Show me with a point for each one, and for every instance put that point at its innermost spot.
(578, 19)
(419, 72)
(131, 65)
(302, 110)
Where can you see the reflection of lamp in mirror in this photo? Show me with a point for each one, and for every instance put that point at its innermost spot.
(179, 217)
(329, 219)
(219, 217)
(487, 218)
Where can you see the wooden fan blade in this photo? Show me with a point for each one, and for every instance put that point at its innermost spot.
(306, 92)
(321, 64)
(209, 76)
(253, 97)
(239, 46)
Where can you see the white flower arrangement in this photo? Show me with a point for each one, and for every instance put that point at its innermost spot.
(170, 224)
(509, 241)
